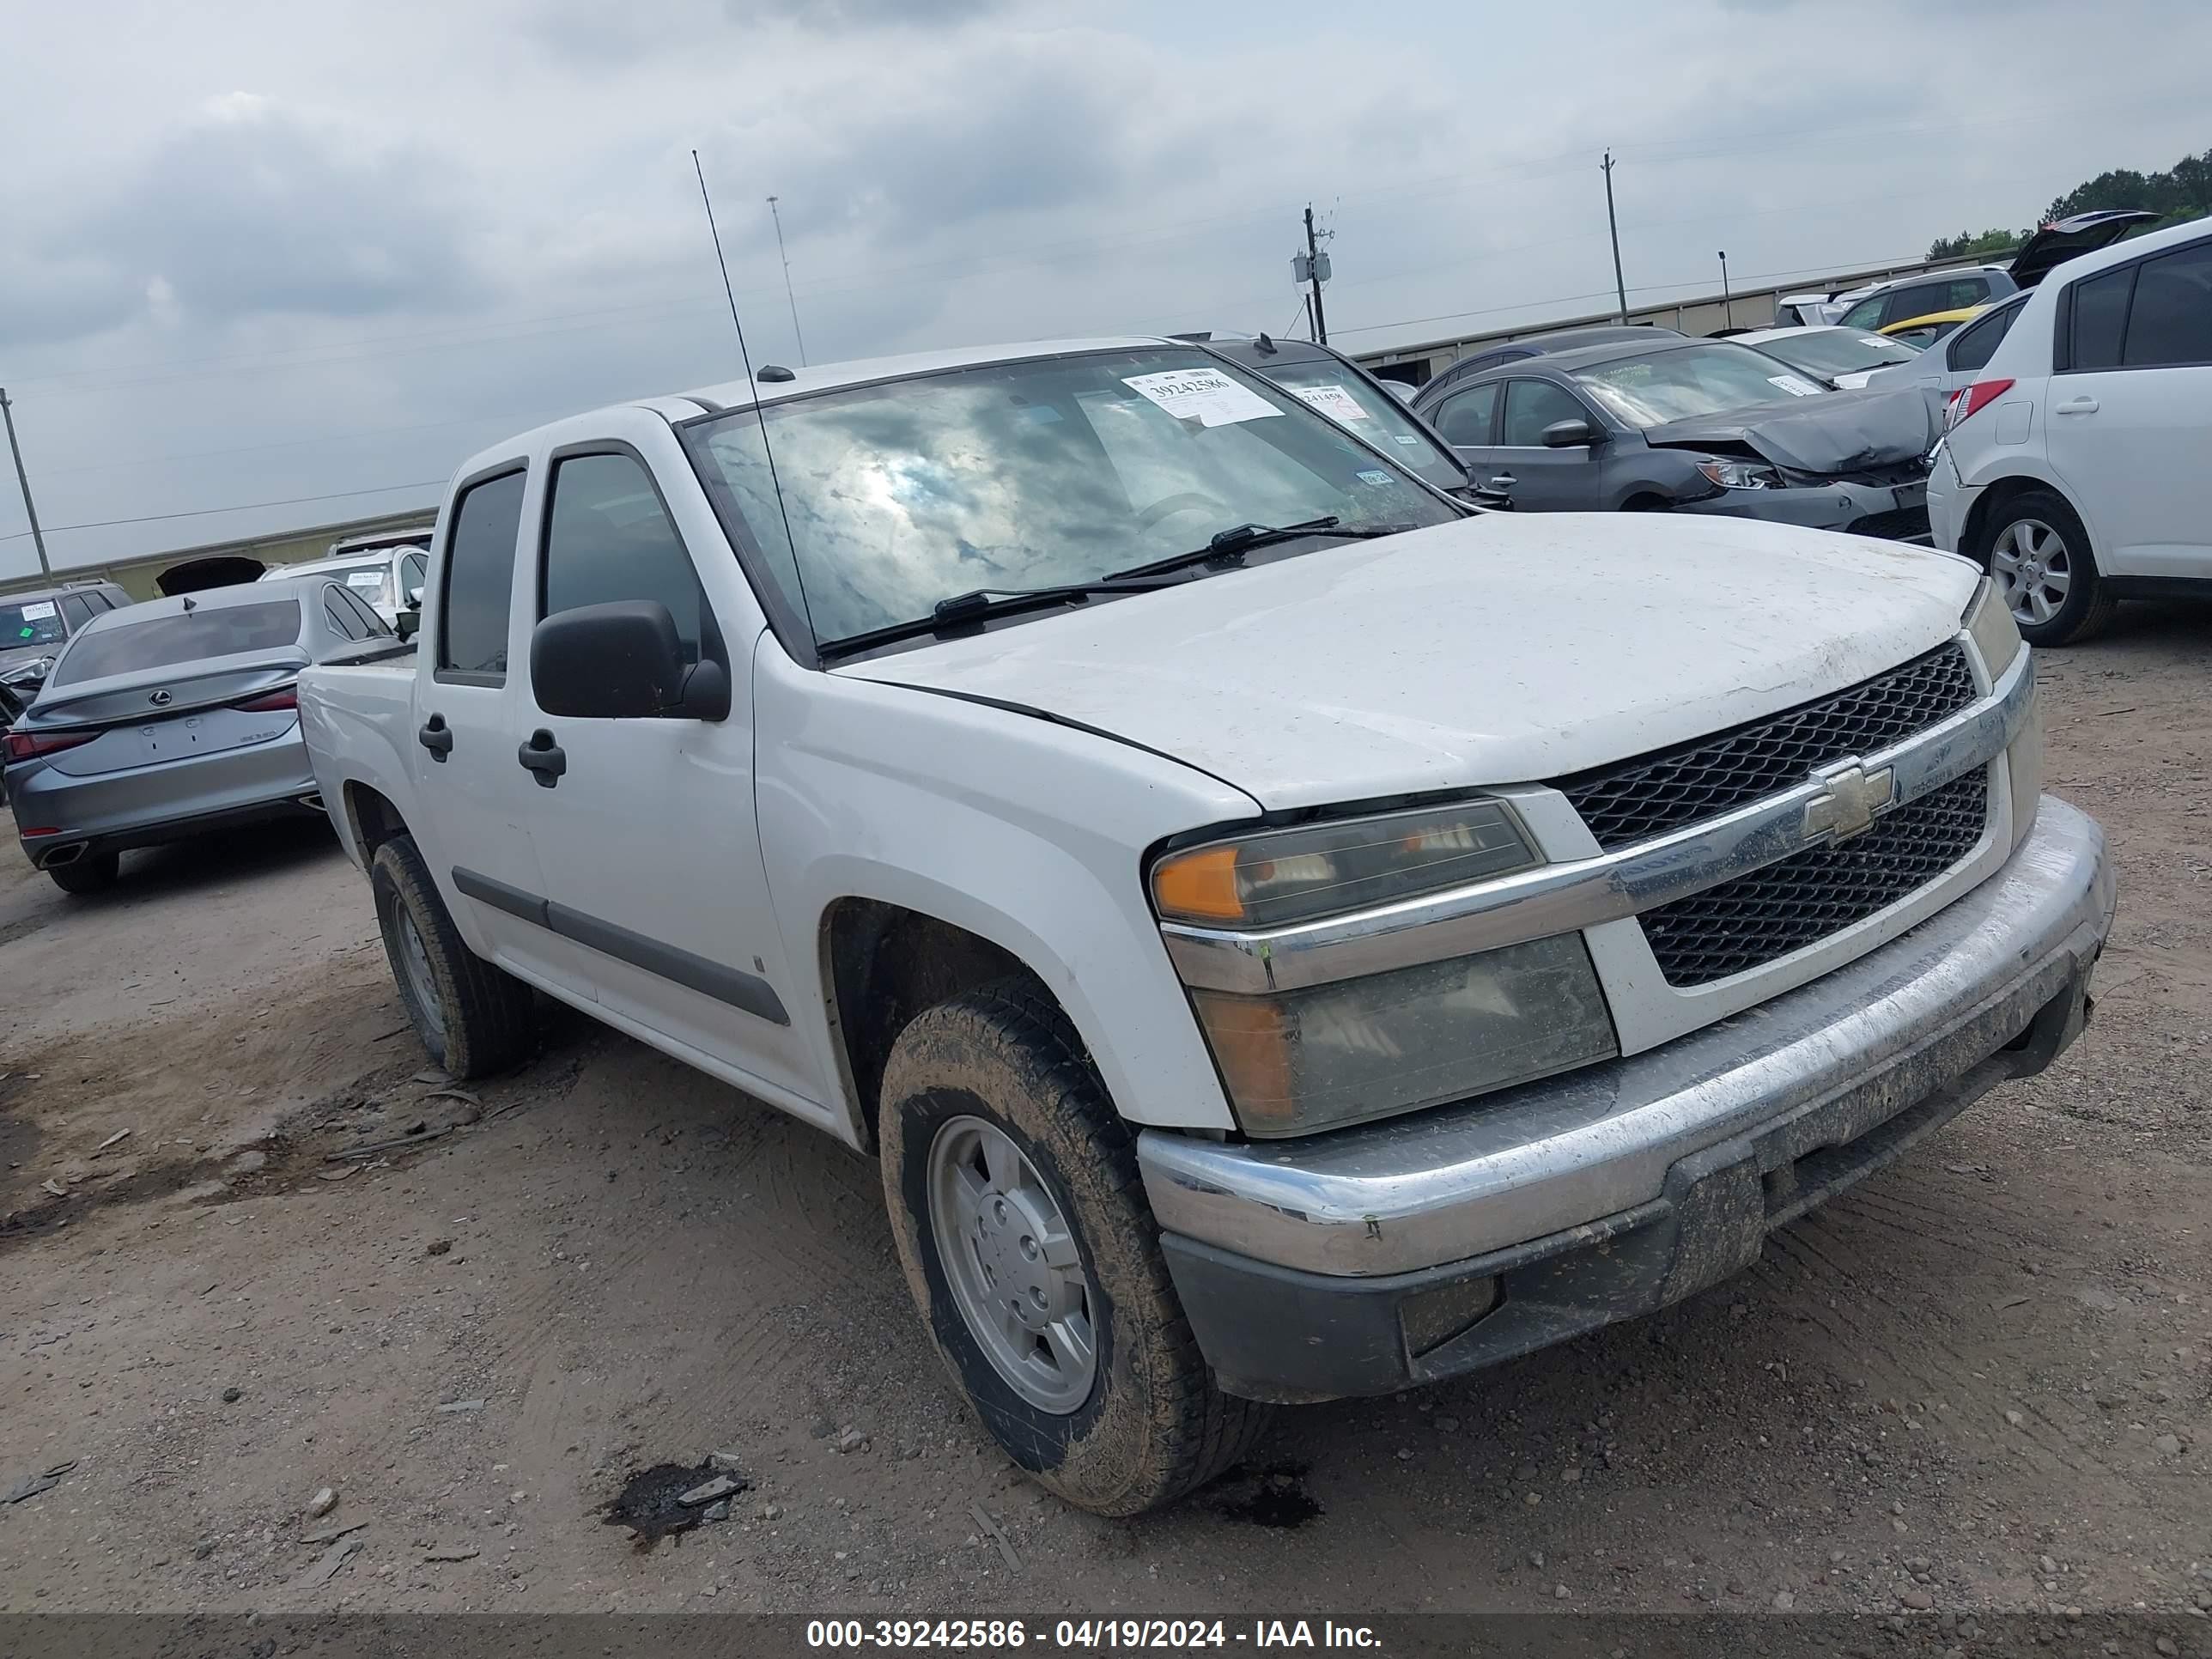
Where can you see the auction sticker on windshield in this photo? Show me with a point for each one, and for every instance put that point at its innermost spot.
(1205, 395)
(1333, 401)
(42, 609)
(1794, 386)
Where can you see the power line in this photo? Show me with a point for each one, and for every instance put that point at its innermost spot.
(241, 507)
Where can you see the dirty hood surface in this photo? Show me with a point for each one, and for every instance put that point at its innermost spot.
(1500, 650)
(1836, 432)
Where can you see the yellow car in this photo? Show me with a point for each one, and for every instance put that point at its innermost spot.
(1924, 331)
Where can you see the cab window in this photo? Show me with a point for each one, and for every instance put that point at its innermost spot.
(607, 537)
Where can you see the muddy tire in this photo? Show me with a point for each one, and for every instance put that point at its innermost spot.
(999, 1071)
(94, 872)
(473, 1019)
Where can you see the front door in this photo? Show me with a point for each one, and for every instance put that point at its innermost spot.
(1542, 479)
(647, 838)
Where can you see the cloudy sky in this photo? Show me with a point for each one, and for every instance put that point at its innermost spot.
(261, 252)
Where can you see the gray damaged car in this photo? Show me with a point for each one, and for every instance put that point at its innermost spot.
(175, 718)
(1695, 426)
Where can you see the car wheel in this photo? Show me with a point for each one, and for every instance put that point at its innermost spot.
(94, 872)
(1022, 1222)
(473, 1019)
(2038, 553)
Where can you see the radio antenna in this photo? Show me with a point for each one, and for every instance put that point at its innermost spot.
(753, 386)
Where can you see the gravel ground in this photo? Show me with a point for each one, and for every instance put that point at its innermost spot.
(1978, 1384)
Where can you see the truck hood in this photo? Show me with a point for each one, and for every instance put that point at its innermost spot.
(1836, 432)
(1505, 648)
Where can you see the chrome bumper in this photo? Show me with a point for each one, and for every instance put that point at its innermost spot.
(1934, 1009)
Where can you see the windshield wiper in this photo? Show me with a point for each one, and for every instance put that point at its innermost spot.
(1229, 546)
(962, 610)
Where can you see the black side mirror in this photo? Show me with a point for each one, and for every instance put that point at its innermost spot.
(1568, 435)
(407, 625)
(621, 660)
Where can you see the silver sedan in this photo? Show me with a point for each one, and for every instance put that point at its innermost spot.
(174, 718)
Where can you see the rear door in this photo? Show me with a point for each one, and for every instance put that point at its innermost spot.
(1542, 479)
(2129, 418)
(473, 796)
(647, 838)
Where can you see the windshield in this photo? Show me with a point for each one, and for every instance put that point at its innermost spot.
(1342, 393)
(34, 621)
(1692, 381)
(186, 636)
(1016, 475)
(1831, 351)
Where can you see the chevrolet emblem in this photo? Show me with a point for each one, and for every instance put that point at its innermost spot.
(1854, 796)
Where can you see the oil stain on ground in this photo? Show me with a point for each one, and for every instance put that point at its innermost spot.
(648, 1502)
(1274, 1496)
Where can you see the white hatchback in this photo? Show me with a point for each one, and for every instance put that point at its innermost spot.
(2076, 464)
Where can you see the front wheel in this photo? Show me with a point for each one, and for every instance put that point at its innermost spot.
(473, 1019)
(1021, 1220)
(2038, 553)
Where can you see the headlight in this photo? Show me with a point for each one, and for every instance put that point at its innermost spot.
(35, 670)
(1740, 475)
(1319, 869)
(1359, 1049)
(1990, 625)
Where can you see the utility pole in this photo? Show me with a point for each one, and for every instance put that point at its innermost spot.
(1307, 306)
(1315, 269)
(1727, 301)
(38, 540)
(791, 298)
(1620, 286)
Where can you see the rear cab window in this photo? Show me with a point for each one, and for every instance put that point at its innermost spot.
(479, 581)
(187, 636)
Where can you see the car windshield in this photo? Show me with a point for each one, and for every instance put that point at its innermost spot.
(1342, 393)
(180, 637)
(1690, 382)
(1833, 351)
(32, 622)
(1028, 474)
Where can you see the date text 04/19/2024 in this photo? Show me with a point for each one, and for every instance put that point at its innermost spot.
(1087, 1635)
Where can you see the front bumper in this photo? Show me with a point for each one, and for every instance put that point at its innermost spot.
(1357, 1262)
(1898, 513)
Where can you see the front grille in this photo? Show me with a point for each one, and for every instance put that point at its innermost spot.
(1742, 924)
(1654, 793)
(1903, 524)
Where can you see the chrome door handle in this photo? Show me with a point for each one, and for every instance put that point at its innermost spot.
(2078, 406)
(1503, 481)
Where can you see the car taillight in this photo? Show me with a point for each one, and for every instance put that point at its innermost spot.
(288, 697)
(1970, 400)
(29, 746)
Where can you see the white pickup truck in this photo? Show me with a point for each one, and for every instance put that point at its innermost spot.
(1285, 934)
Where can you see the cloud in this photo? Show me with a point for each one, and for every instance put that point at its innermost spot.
(252, 208)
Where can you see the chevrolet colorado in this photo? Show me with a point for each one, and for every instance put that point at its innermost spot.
(1286, 934)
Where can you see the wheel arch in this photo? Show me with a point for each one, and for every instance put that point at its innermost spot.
(371, 818)
(881, 963)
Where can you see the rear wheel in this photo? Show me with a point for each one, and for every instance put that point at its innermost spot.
(471, 1017)
(2038, 553)
(1021, 1220)
(94, 872)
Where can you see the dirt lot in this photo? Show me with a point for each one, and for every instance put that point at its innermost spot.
(1981, 1382)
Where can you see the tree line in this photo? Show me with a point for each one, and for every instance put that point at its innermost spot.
(2183, 192)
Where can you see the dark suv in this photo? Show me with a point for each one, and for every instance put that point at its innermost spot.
(36, 624)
